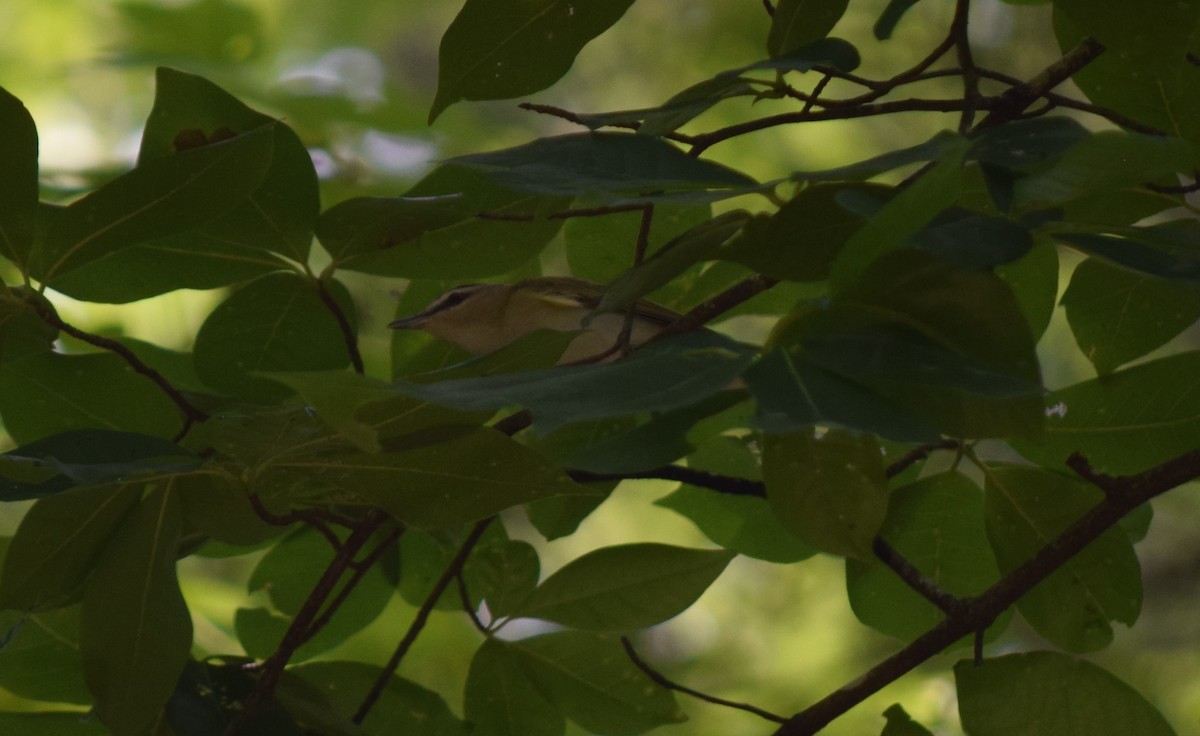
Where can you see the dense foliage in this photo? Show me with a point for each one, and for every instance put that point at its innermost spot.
(895, 416)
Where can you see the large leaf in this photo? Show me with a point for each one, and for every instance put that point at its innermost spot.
(279, 214)
(1118, 315)
(57, 545)
(1073, 608)
(1166, 250)
(18, 180)
(1048, 692)
(625, 587)
(829, 490)
(494, 52)
(936, 524)
(135, 632)
(450, 225)
(40, 657)
(275, 323)
(1126, 422)
(501, 700)
(596, 163)
(799, 22)
(591, 681)
(45, 393)
(465, 477)
(665, 375)
(161, 197)
(87, 457)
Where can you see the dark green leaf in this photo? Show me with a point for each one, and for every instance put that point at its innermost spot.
(503, 575)
(625, 587)
(833, 52)
(675, 112)
(403, 707)
(1033, 280)
(279, 214)
(829, 490)
(52, 723)
(220, 509)
(665, 375)
(796, 23)
(1126, 422)
(86, 457)
(601, 248)
(463, 478)
(1073, 607)
(1026, 146)
(58, 543)
(435, 232)
(1166, 250)
(900, 723)
(40, 661)
(192, 260)
(135, 632)
(800, 241)
(208, 697)
(936, 524)
(493, 52)
(971, 239)
(591, 681)
(902, 217)
(336, 396)
(596, 163)
(1057, 694)
(1119, 315)
(501, 700)
(162, 197)
(275, 323)
(18, 180)
(891, 15)
(560, 516)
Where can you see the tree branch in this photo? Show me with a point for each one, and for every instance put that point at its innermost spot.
(1015, 100)
(1123, 494)
(348, 333)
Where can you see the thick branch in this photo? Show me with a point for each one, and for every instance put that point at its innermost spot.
(1013, 102)
(348, 333)
(1123, 495)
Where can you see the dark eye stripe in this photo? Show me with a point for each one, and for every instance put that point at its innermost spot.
(453, 298)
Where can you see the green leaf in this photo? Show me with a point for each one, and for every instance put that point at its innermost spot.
(834, 52)
(937, 524)
(275, 323)
(287, 573)
(900, 723)
(891, 15)
(1029, 507)
(699, 243)
(161, 197)
(135, 632)
(192, 260)
(18, 181)
(465, 477)
(675, 112)
(1166, 250)
(1125, 422)
(40, 657)
(560, 516)
(601, 248)
(336, 396)
(1109, 160)
(45, 393)
(52, 723)
(504, 575)
(829, 490)
(800, 241)
(493, 52)
(598, 163)
(58, 543)
(208, 696)
(87, 457)
(220, 508)
(742, 524)
(1033, 280)
(1056, 694)
(903, 216)
(402, 707)
(625, 587)
(799, 22)
(280, 212)
(1119, 315)
(593, 683)
(665, 375)
(435, 232)
(501, 700)
(1146, 74)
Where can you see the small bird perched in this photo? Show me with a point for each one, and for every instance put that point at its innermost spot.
(482, 318)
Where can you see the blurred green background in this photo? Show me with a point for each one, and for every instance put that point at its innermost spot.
(355, 80)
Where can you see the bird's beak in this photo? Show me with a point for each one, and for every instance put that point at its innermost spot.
(414, 322)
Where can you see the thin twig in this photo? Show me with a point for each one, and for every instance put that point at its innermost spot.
(918, 454)
(662, 681)
(913, 577)
(1014, 101)
(1063, 101)
(966, 61)
(294, 517)
(361, 568)
(718, 305)
(464, 595)
(572, 117)
(452, 570)
(348, 334)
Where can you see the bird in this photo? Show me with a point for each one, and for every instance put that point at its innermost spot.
(482, 318)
